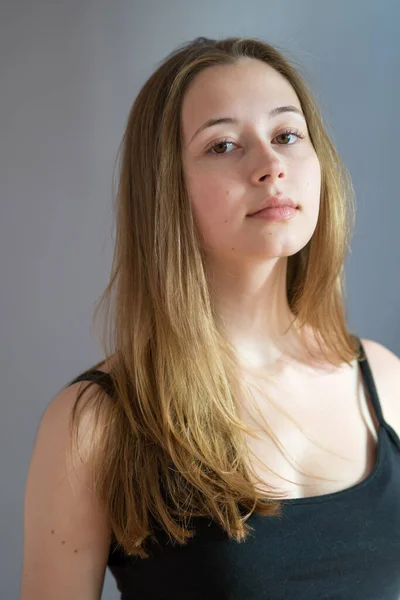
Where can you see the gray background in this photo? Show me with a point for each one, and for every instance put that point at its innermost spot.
(69, 73)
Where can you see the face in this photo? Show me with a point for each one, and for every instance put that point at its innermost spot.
(231, 167)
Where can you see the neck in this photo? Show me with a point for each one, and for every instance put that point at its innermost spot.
(252, 308)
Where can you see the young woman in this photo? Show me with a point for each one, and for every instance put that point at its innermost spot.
(235, 442)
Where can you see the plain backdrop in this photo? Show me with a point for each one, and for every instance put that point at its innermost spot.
(69, 72)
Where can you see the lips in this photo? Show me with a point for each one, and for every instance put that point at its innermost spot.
(274, 202)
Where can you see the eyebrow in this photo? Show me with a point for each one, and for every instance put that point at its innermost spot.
(273, 113)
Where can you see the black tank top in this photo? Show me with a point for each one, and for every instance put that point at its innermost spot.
(338, 546)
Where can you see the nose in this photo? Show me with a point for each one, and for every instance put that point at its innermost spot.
(269, 167)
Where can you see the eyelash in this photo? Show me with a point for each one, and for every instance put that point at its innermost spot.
(295, 132)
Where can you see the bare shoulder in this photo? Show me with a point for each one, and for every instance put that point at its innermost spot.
(385, 368)
(66, 533)
(384, 363)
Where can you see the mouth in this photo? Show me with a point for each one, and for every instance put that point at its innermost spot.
(275, 213)
(279, 201)
(271, 210)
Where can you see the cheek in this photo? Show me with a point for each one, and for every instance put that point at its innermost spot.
(210, 197)
(213, 208)
(313, 183)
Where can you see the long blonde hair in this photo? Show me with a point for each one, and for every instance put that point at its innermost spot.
(170, 444)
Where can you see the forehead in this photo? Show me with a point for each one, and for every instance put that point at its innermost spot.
(248, 87)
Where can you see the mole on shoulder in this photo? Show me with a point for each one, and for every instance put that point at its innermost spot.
(63, 541)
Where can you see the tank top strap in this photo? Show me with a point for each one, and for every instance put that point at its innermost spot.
(370, 385)
(373, 394)
(104, 380)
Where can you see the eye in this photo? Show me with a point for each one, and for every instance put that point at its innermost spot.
(291, 132)
(219, 145)
(222, 143)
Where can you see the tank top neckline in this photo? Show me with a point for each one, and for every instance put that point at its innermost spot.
(382, 435)
(341, 494)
